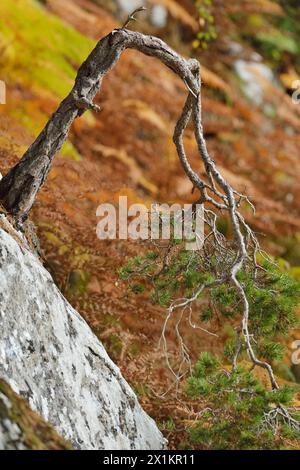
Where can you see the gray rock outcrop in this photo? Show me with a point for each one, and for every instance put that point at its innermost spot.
(50, 356)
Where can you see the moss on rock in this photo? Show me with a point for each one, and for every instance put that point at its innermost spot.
(23, 429)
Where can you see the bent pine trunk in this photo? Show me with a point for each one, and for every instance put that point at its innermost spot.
(18, 189)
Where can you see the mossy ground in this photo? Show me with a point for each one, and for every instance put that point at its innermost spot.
(39, 58)
(39, 51)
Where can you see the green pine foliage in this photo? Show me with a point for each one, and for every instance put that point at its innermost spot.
(237, 408)
(272, 294)
(238, 403)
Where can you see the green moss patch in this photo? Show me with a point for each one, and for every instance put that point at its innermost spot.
(38, 50)
(36, 433)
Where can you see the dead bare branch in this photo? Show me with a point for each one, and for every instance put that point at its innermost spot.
(132, 17)
(18, 189)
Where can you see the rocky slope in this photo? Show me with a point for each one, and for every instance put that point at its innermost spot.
(49, 355)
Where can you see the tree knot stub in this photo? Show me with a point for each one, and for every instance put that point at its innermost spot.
(117, 36)
(194, 65)
(83, 104)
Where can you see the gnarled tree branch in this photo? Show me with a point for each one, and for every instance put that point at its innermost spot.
(18, 189)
